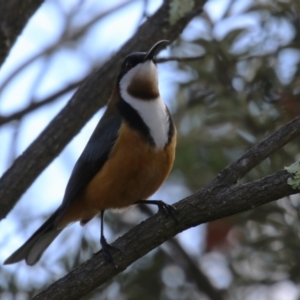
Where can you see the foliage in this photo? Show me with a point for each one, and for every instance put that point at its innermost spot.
(246, 86)
(294, 170)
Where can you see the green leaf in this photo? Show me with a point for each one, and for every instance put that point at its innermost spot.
(294, 169)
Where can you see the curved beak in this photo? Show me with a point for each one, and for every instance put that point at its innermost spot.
(151, 53)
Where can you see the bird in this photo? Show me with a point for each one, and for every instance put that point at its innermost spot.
(127, 158)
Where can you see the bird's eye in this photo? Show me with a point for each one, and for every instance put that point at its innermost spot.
(128, 65)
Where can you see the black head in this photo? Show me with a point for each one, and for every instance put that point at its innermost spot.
(131, 61)
(136, 58)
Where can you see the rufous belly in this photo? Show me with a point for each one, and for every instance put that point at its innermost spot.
(134, 171)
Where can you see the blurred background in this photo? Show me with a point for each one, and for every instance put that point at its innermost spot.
(244, 84)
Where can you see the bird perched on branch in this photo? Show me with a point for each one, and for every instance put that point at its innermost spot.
(127, 158)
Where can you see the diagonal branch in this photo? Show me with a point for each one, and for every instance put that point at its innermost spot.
(178, 58)
(204, 206)
(64, 37)
(194, 272)
(90, 96)
(189, 265)
(14, 15)
(211, 203)
(258, 153)
(38, 104)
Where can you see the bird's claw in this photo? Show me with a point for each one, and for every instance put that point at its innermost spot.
(165, 208)
(106, 250)
(168, 210)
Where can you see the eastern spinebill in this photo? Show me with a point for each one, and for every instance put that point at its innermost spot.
(127, 158)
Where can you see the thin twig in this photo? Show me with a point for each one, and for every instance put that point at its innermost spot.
(176, 58)
(194, 273)
(38, 104)
(77, 33)
(190, 266)
(63, 38)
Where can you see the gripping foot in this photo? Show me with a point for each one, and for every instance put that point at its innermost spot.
(106, 247)
(165, 208)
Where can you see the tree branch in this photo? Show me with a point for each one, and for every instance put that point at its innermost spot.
(194, 272)
(258, 153)
(64, 37)
(189, 265)
(216, 201)
(204, 206)
(14, 15)
(177, 58)
(38, 104)
(90, 96)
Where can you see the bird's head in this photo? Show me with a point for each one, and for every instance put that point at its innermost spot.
(138, 75)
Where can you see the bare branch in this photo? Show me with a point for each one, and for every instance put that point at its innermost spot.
(64, 37)
(204, 206)
(258, 153)
(14, 16)
(211, 203)
(90, 96)
(38, 104)
(25, 64)
(194, 273)
(181, 59)
(81, 31)
(189, 265)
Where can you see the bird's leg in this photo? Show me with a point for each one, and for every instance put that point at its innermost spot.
(105, 245)
(167, 209)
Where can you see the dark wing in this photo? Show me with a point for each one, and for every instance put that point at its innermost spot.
(93, 157)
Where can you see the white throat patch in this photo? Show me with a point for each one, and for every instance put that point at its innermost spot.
(146, 70)
(153, 112)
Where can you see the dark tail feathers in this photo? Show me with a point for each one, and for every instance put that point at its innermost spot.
(33, 249)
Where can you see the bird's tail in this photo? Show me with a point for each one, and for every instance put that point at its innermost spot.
(33, 249)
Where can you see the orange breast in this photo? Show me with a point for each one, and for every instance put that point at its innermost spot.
(134, 171)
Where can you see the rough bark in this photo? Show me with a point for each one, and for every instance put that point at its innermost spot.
(14, 14)
(206, 205)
